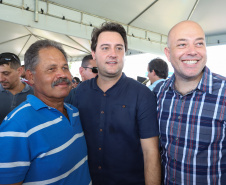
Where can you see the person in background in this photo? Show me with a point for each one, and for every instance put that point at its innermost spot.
(23, 76)
(75, 82)
(157, 71)
(87, 71)
(88, 68)
(12, 90)
(191, 109)
(42, 141)
(118, 115)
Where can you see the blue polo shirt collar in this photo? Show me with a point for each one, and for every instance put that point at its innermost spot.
(35, 102)
(38, 104)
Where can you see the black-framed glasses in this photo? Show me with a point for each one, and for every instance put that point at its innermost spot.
(94, 69)
(8, 57)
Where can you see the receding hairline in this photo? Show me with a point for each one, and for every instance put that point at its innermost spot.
(179, 24)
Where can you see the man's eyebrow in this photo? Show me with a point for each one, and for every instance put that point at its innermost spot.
(51, 65)
(110, 44)
(200, 38)
(178, 40)
(5, 72)
(120, 45)
(55, 65)
(104, 45)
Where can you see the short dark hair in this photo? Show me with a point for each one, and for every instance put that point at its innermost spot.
(160, 67)
(85, 60)
(77, 80)
(108, 26)
(31, 58)
(10, 59)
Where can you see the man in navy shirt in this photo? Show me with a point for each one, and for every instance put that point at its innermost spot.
(118, 115)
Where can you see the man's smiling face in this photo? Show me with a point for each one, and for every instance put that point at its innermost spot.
(187, 50)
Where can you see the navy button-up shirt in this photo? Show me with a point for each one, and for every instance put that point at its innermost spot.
(114, 122)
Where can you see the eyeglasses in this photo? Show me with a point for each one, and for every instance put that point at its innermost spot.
(7, 57)
(94, 69)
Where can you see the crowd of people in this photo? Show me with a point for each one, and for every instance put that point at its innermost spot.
(109, 129)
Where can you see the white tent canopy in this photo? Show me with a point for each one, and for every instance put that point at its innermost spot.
(71, 22)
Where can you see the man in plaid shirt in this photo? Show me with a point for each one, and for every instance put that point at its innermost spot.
(191, 109)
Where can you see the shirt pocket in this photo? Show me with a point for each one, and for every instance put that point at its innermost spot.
(122, 117)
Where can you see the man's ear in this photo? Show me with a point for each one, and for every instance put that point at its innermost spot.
(30, 77)
(20, 70)
(93, 55)
(81, 69)
(167, 53)
(153, 71)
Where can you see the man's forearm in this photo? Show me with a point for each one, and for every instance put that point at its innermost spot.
(152, 169)
(152, 166)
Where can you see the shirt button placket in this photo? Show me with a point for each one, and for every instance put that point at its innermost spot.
(101, 128)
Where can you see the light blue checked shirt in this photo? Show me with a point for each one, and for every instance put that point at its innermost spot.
(192, 131)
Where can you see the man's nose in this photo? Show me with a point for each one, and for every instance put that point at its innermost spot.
(1, 77)
(61, 73)
(192, 50)
(113, 52)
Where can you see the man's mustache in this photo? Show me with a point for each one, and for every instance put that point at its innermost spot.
(60, 80)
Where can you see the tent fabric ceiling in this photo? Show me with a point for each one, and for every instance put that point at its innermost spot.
(160, 15)
(155, 15)
(17, 38)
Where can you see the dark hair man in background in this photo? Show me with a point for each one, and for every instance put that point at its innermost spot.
(42, 141)
(118, 115)
(87, 71)
(157, 71)
(88, 68)
(75, 82)
(12, 90)
(191, 112)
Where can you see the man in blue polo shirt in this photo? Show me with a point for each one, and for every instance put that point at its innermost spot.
(42, 141)
(118, 115)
